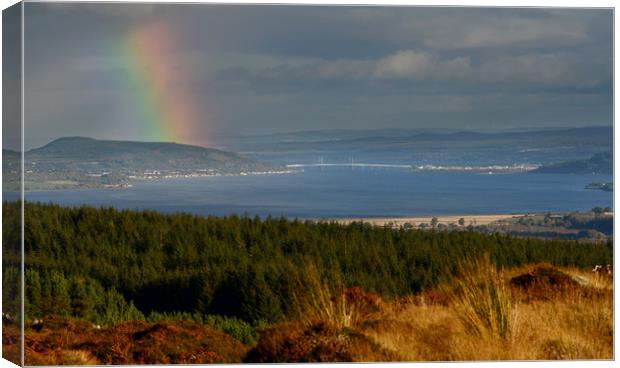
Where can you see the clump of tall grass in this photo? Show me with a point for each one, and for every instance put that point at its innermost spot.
(319, 300)
(483, 300)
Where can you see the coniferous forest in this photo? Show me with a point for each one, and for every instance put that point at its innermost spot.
(107, 266)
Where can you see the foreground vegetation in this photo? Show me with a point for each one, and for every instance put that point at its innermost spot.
(285, 290)
(536, 312)
(74, 342)
(482, 315)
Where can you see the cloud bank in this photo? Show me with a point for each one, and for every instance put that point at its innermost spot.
(263, 69)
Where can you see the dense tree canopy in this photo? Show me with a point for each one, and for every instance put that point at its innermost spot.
(108, 265)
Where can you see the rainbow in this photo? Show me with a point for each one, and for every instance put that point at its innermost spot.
(159, 83)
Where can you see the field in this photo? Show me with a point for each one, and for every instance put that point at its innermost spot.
(594, 225)
(445, 220)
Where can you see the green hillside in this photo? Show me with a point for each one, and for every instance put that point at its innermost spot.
(600, 163)
(86, 162)
(108, 265)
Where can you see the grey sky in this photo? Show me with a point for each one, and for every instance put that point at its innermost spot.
(264, 69)
(11, 85)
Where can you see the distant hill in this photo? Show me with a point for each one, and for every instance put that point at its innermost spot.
(409, 139)
(86, 162)
(139, 155)
(423, 147)
(356, 134)
(600, 163)
(326, 135)
(346, 137)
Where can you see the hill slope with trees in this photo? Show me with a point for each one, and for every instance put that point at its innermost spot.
(107, 265)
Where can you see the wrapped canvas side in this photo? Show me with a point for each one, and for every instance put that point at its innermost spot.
(12, 187)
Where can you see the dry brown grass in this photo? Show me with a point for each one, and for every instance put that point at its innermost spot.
(482, 300)
(68, 342)
(320, 302)
(11, 342)
(478, 316)
(295, 342)
(481, 315)
(327, 328)
(572, 322)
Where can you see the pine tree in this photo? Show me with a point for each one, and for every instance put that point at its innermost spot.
(82, 304)
(32, 302)
(60, 299)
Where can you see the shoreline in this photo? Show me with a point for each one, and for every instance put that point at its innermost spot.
(137, 180)
(475, 220)
(393, 222)
(483, 219)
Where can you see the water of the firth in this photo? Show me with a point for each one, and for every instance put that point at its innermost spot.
(346, 192)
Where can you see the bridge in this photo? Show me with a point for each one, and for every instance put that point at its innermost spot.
(349, 164)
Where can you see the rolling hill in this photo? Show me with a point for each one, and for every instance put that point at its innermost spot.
(86, 162)
(536, 146)
(600, 163)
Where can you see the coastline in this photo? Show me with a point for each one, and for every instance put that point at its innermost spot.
(131, 180)
(475, 220)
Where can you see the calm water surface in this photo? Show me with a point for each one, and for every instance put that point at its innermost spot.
(346, 192)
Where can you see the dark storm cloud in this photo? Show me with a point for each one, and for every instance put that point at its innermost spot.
(271, 68)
